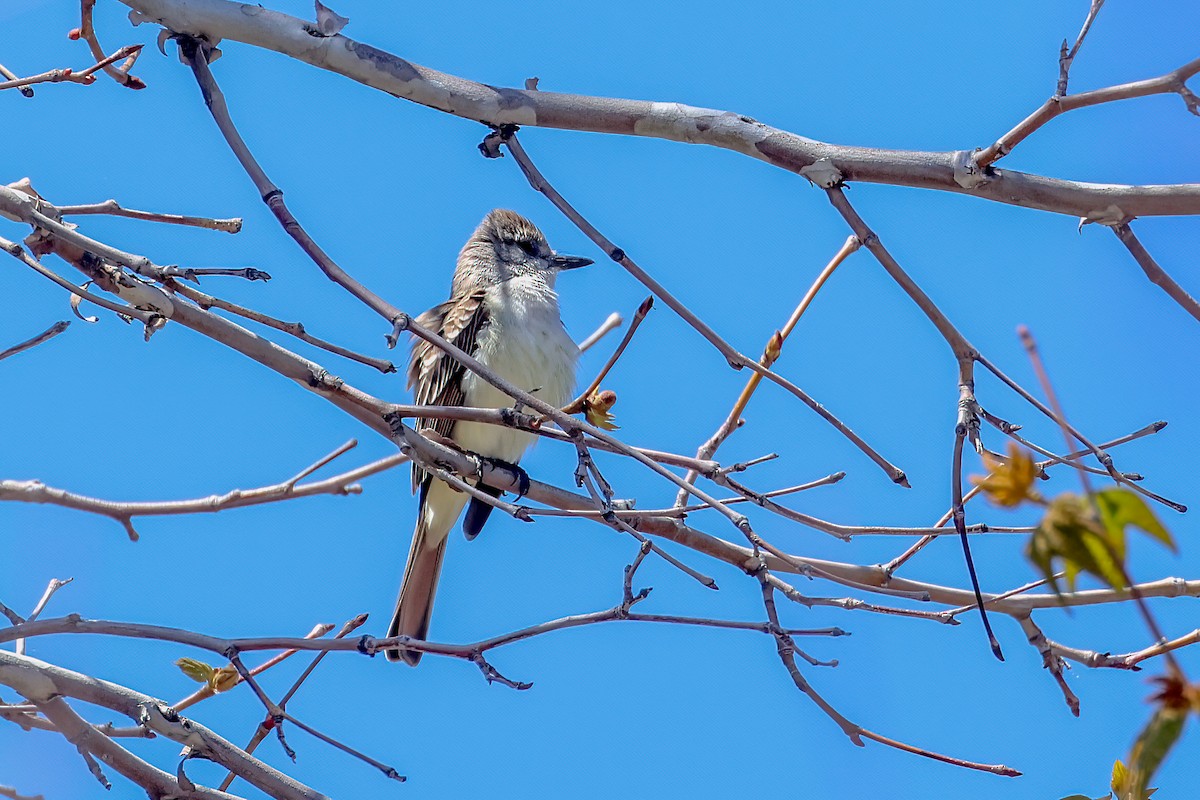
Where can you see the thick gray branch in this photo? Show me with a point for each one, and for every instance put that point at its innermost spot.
(216, 20)
(44, 683)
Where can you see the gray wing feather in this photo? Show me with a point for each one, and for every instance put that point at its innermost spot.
(437, 377)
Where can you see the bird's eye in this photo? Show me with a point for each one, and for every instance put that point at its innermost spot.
(528, 246)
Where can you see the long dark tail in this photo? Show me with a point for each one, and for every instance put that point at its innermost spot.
(414, 606)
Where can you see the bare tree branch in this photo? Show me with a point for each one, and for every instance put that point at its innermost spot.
(736, 360)
(87, 32)
(769, 356)
(84, 76)
(52, 587)
(46, 335)
(113, 208)
(1157, 275)
(124, 512)
(217, 20)
(26, 91)
(1067, 57)
(1174, 82)
(47, 686)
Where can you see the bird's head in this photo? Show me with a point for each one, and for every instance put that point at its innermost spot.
(506, 246)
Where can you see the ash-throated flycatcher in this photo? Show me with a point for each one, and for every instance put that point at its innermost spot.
(503, 311)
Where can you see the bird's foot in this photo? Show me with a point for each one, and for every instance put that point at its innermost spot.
(395, 422)
(522, 476)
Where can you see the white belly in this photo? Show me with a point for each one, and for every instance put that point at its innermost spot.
(526, 344)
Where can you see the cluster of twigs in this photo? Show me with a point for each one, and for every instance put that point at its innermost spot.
(157, 295)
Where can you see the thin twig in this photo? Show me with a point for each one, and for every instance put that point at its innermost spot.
(195, 53)
(958, 516)
(1053, 458)
(125, 512)
(894, 564)
(580, 402)
(995, 769)
(53, 586)
(46, 335)
(996, 598)
(19, 200)
(207, 691)
(1134, 658)
(787, 649)
(85, 76)
(737, 360)
(611, 323)
(1140, 603)
(1043, 377)
(388, 771)
(587, 474)
(264, 728)
(1067, 58)
(682, 511)
(734, 419)
(321, 462)
(87, 32)
(890, 568)
(26, 91)
(855, 604)
(113, 208)
(1051, 661)
(1157, 275)
(23, 716)
(1127, 479)
(1104, 458)
(1174, 82)
(295, 329)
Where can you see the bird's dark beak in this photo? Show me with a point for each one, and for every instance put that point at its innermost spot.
(569, 262)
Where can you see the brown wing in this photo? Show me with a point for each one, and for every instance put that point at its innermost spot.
(437, 377)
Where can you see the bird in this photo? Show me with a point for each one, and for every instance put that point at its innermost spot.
(502, 310)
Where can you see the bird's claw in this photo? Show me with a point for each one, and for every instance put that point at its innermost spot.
(523, 481)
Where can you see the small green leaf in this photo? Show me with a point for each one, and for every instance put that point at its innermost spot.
(196, 670)
(1155, 741)
(1121, 508)
(1152, 746)
(1071, 532)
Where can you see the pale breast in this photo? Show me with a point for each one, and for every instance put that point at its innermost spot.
(526, 344)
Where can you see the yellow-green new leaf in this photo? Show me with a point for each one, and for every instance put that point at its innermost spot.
(1119, 776)
(196, 670)
(1121, 508)
(1172, 703)
(1072, 533)
(1151, 748)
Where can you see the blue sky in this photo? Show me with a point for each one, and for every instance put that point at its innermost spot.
(392, 190)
